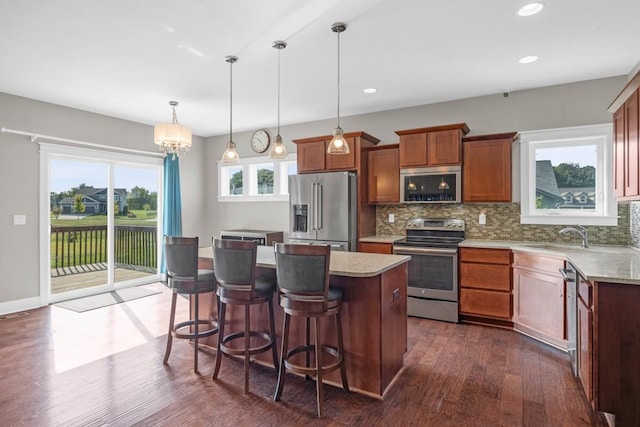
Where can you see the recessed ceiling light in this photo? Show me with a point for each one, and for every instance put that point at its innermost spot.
(370, 90)
(530, 9)
(528, 59)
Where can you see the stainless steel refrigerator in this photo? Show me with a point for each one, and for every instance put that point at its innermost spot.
(323, 209)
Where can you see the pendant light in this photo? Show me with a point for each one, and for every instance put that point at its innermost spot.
(338, 144)
(230, 154)
(278, 150)
(172, 138)
(443, 184)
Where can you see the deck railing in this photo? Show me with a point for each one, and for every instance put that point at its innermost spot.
(135, 247)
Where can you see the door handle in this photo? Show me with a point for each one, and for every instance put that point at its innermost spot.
(319, 206)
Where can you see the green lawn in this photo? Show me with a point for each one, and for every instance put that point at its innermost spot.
(141, 219)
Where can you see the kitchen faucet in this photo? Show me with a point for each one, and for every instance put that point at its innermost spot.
(580, 231)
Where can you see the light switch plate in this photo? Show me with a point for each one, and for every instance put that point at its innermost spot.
(19, 219)
(392, 218)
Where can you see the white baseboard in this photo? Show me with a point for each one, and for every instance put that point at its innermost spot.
(19, 305)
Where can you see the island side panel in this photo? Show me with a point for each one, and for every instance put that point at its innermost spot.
(393, 325)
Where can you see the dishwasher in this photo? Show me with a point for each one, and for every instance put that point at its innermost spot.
(570, 278)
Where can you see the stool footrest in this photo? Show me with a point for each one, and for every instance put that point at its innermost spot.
(240, 351)
(212, 329)
(311, 370)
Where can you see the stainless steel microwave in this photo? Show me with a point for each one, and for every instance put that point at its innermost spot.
(431, 185)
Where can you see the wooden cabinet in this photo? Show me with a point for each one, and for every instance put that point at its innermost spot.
(384, 174)
(486, 167)
(539, 297)
(485, 283)
(313, 157)
(626, 141)
(584, 350)
(432, 146)
(375, 247)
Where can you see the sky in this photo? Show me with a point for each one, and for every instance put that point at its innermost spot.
(581, 154)
(66, 174)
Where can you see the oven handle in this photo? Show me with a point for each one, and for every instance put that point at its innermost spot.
(401, 250)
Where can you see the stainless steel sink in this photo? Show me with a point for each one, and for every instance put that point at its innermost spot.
(558, 248)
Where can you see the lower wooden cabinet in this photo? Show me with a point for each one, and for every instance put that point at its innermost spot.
(375, 247)
(485, 283)
(585, 344)
(539, 297)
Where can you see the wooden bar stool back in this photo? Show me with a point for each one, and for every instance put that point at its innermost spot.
(183, 277)
(234, 263)
(303, 284)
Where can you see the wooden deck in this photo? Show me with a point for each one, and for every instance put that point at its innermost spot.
(90, 275)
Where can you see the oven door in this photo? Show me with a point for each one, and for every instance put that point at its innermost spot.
(433, 272)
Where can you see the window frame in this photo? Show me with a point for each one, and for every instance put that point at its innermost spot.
(250, 165)
(606, 212)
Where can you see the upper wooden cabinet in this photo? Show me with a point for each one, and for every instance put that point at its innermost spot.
(626, 141)
(432, 146)
(486, 167)
(313, 157)
(384, 174)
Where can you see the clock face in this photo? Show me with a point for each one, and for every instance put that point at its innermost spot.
(260, 141)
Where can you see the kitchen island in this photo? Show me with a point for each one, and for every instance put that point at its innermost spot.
(374, 315)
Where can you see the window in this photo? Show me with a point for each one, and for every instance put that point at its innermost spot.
(256, 179)
(567, 176)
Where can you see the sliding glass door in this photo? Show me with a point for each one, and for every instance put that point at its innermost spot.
(102, 215)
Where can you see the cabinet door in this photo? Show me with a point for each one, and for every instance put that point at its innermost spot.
(413, 150)
(343, 161)
(375, 247)
(311, 156)
(384, 176)
(618, 153)
(444, 147)
(584, 350)
(631, 146)
(486, 171)
(539, 302)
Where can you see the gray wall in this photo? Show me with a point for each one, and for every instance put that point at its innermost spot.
(19, 180)
(558, 106)
(573, 104)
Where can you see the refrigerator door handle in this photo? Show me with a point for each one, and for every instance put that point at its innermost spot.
(319, 207)
(314, 202)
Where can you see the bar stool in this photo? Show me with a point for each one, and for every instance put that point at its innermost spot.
(183, 277)
(303, 283)
(234, 263)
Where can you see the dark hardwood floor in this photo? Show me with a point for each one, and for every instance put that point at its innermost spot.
(104, 367)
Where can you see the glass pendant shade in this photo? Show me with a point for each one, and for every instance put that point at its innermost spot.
(338, 144)
(230, 155)
(278, 150)
(443, 185)
(172, 138)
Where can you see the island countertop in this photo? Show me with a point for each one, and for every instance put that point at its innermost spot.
(349, 264)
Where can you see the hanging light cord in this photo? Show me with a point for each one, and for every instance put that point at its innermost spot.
(230, 100)
(339, 78)
(175, 116)
(279, 49)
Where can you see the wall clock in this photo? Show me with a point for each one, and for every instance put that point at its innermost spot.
(260, 141)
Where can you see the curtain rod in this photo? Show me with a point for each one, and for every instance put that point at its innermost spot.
(35, 136)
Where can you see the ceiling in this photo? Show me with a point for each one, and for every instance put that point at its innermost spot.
(128, 59)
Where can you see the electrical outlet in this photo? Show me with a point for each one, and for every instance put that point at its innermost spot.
(392, 218)
(482, 219)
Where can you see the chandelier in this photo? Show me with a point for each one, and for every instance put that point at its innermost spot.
(172, 138)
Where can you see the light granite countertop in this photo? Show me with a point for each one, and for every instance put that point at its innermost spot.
(381, 239)
(598, 263)
(351, 264)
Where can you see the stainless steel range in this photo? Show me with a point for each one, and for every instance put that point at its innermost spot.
(432, 244)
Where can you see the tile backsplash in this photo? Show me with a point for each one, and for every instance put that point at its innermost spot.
(503, 223)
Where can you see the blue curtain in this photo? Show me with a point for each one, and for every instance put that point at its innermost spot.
(172, 209)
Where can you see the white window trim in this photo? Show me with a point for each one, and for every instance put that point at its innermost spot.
(279, 174)
(607, 211)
